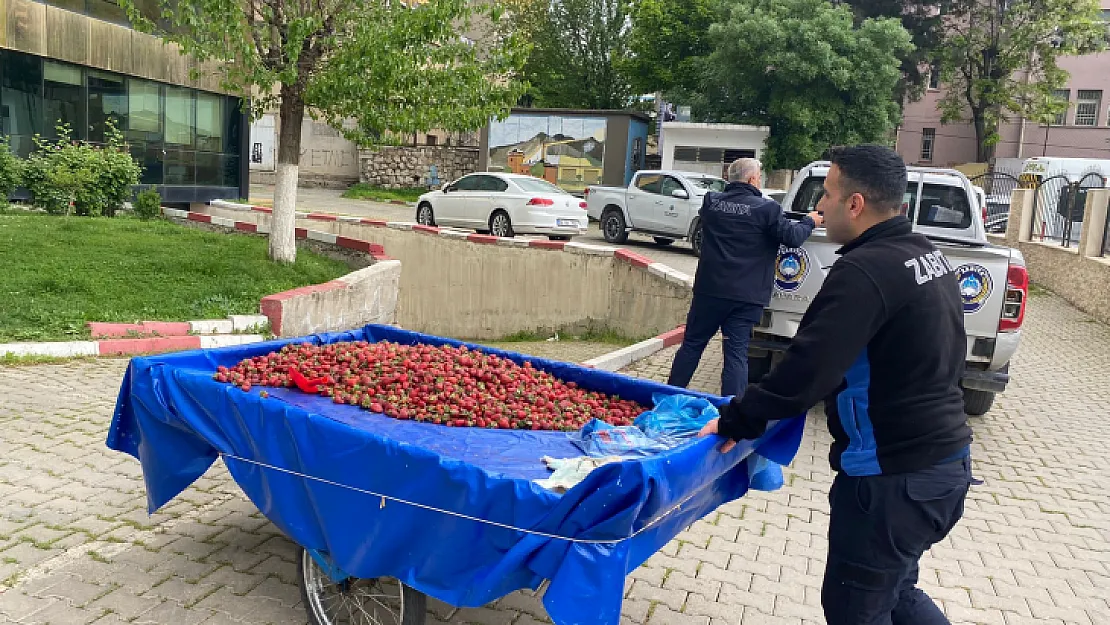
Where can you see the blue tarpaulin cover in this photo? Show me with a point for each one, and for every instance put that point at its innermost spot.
(452, 512)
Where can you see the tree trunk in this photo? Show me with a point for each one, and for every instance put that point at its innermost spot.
(283, 242)
(983, 153)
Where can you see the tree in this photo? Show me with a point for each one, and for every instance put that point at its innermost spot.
(393, 68)
(805, 70)
(577, 50)
(924, 20)
(999, 59)
(667, 42)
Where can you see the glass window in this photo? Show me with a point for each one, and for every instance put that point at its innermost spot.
(208, 169)
(670, 185)
(1063, 95)
(180, 167)
(150, 157)
(649, 182)
(928, 140)
(713, 184)
(180, 116)
(1087, 106)
(108, 11)
(934, 76)
(492, 183)
(63, 100)
(537, 185)
(467, 183)
(233, 124)
(21, 100)
(230, 166)
(107, 104)
(805, 201)
(210, 122)
(144, 115)
(944, 206)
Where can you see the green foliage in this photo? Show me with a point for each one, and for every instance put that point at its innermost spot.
(390, 67)
(667, 42)
(579, 48)
(803, 68)
(363, 191)
(993, 46)
(147, 205)
(92, 180)
(11, 170)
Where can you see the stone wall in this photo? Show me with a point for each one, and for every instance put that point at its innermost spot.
(395, 167)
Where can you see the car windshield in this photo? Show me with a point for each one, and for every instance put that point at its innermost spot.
(536, 185)
(713, 184)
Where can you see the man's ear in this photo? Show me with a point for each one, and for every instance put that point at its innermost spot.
(856, 204)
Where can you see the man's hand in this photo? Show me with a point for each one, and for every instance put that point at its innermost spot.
(711, 428)
(817, 218)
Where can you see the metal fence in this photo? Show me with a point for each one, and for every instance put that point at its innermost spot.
(999, 188)
(1058, 206)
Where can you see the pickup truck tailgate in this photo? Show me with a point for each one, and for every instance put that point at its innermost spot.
(981, 272)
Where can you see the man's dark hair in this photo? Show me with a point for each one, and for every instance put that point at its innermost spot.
(874, 171)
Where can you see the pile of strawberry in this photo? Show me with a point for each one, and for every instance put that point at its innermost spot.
(446, 385)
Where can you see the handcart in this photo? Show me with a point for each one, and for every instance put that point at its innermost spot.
(389, 512)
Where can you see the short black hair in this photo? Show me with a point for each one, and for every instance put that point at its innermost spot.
(874, 171)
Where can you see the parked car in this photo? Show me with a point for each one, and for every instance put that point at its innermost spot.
(504, 205)
(661, 203)
(947, 208)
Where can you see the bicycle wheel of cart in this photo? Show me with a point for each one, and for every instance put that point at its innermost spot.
(354, 601)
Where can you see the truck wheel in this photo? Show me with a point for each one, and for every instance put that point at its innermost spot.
(613, 227)
(695, 239)
(977, 403)
(663, 240)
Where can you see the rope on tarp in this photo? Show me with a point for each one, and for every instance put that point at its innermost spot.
(460, 515)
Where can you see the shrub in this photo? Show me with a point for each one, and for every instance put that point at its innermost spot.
(93, 180)
(148, 204)
(11, 170)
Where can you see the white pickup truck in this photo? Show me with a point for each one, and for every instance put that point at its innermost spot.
(660, 203)
(944, 206)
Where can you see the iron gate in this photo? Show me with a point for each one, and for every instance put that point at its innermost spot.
(999, 188)
(1059, 205)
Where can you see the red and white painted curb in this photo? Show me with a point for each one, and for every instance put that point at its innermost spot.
(621, 358)
(573, 247)
(126, 347)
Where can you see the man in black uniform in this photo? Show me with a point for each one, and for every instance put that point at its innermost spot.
(883, 343)
(741, 234)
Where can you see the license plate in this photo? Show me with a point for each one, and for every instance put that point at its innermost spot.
(573, 223)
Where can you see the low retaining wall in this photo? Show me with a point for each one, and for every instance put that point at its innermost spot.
(482, 287)
(368, 295)
(408, 166)
(1080, 275)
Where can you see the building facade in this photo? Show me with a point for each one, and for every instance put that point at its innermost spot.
(1081, 132)
(78, 62)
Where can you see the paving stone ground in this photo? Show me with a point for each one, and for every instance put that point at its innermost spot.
(76, 545)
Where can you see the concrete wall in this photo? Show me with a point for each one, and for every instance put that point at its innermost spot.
(365, 296)
(1079, 275)
(727, 136)
(482, 287)
(328, 159)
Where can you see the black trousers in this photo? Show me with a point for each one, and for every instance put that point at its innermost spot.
(878, 530)
(735, 320)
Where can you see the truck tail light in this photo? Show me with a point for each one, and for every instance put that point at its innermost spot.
(586, 193)
(541, 201)
(984, 213)
(1017, 292)
(582, 205)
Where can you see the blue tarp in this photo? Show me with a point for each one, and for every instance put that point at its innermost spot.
(452, 512)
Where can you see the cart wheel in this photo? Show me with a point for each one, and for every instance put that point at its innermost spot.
(354, 601)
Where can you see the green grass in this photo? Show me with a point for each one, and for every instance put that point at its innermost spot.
(592, 336)
(363, 191)
(61, 272)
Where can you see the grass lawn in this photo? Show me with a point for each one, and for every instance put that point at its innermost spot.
(58, 273)
(363, 191)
